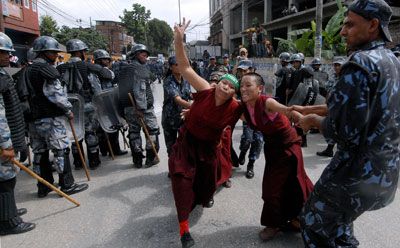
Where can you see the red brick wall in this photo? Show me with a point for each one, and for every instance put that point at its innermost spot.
(29, 23)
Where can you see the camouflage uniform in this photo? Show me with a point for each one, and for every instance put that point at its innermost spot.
(7, 170)
(363, 119)
(136, 78)
(144, 102)
(171, 113)
(47, 130)
(90, 74)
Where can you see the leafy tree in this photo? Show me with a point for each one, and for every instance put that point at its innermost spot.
(135, 22)
(48, 25)
(332, 43)
(160, 36)
(92, 38)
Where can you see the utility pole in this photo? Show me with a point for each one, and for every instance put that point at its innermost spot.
(179, 4)
(318, 31)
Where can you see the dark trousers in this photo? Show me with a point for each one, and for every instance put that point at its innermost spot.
(8, 209)
(170, 136)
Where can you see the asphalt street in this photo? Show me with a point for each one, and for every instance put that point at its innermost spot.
(129, 207)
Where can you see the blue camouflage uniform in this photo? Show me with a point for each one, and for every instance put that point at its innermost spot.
(7, 170)
(141, 78)
(171, 111)
(253, 140)
(364, 119)
(50, 132)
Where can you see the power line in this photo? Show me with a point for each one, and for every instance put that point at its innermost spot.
(43, 8)
(60, 11)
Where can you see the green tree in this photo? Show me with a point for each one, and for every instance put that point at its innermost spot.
(135, 22)
(48, 25)
(92, 38)
(160, 36)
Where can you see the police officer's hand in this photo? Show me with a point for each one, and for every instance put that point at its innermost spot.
(70, 115)
(7, 154)
(23, 155)
(140, 114)
(184, 113)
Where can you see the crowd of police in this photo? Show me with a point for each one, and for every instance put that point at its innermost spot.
(40, 99)
(35, 101)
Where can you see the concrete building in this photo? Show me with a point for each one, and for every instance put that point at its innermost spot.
(119, 42)
(20, 22)
(230, 18)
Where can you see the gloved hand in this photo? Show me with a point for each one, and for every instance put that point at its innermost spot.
(23, 155)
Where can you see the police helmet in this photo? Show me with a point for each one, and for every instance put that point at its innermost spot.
(139, 48)
(285, 57)
(316, 61)
(6, 43)
(101, 54)
(301, 56)
(296, 57)
(46, 43)
(30, 55)
(75, 45)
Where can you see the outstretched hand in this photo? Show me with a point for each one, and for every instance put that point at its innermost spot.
(179, 29)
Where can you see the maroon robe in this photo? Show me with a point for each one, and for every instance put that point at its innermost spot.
(200, 159)
(286, 186)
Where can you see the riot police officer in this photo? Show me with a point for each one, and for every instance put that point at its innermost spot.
(10, 220)
(299, 75)
(283, 77)
(103, 58)
(77, 68)
(136, 79)
(320, 75)
(49, 104)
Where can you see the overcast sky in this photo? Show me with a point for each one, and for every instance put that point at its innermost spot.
(167, 10)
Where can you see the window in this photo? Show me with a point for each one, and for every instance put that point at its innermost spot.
(34, 5)
(26, 4)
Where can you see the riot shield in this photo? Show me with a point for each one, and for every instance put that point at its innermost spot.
(105, 103)
(321, 77)
(125, 82)
(305, 95)
(78, 110)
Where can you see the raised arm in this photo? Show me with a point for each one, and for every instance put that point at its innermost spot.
(185, 69)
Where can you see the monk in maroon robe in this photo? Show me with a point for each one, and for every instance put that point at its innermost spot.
(286, 185)
(200, 158)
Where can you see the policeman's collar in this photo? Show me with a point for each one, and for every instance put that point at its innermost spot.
(372, 45)
(74, 59)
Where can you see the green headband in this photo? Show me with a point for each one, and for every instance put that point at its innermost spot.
(231, 78)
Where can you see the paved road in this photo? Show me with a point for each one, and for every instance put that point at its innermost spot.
(128, 207)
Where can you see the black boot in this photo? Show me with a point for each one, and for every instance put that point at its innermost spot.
(187, 240)
(20, 228)
(328, 152)
(151, 158)
(242, 157)
(137, 158)
(94, 160)
(46, 173)
(250, 169)
(115, 144)
(75, 154)
(210, 203)
(66, 179)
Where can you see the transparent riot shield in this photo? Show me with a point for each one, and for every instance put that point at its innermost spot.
(78, 121)
(106, 103)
